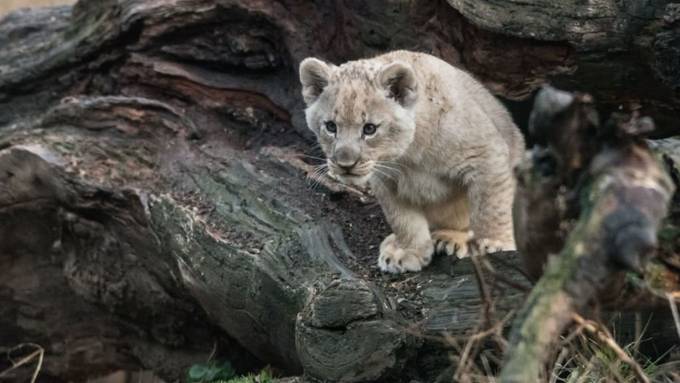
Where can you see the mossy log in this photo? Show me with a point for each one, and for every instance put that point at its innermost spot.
(605, 196)
(153, 203)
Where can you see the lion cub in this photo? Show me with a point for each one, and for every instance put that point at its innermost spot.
(435, 146)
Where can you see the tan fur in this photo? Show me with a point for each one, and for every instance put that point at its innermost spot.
(440, 162)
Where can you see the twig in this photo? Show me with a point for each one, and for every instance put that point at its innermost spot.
(483, 291)
(638, 333)
(487, 368)
(474, 340)
(573, 334)
(564, 352)
(674, 311)
(465, 355)
(213, 352)
(605, 337)
(499, 277)
(39, 352)
(586, 372)
(495, 330)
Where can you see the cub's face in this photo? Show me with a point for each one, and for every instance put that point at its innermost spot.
(362, 115)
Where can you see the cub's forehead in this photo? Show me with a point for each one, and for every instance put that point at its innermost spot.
(352, 96)
(353, 101)
(360, 70)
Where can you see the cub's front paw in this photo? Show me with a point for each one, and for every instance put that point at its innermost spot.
(453, 243)
(395, 259)
(481, 246)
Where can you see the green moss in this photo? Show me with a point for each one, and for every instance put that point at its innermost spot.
(668, 236)
(655, 276)
(216, 372)
(210, 372)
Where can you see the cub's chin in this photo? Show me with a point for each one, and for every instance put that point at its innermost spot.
(353, 180)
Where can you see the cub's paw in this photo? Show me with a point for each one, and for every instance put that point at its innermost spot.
(453, 243)
(395, 259)
(481, 246)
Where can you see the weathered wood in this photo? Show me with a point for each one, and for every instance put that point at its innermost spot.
(122, 185)
(246, 256)
(83, 277)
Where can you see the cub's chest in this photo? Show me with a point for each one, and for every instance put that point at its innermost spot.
(421, 187)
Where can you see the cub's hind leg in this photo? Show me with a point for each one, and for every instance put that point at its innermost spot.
(452, 243)
(491, 197)
(450, 223)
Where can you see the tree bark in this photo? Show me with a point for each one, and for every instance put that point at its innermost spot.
(153, 201)
(624, 53)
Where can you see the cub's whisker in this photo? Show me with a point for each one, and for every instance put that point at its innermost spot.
(384, 174)
(316, 176)
(387, 169)
(312, 157)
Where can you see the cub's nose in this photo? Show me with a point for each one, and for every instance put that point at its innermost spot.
(346, 156)
(347, 166)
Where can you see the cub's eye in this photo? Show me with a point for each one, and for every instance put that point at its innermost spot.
(330, 127)
(369, 129)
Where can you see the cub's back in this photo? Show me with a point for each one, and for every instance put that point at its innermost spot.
(436, 75)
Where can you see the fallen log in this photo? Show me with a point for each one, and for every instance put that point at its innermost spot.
(226, 253)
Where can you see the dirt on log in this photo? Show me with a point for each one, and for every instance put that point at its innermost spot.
(154, 205)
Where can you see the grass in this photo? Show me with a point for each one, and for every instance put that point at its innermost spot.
(262, 377)
(585, 359)
(222, 372)
(587, 353)
(593, 363)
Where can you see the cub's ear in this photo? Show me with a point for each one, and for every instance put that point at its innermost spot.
(400, 82)
(314, 75)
